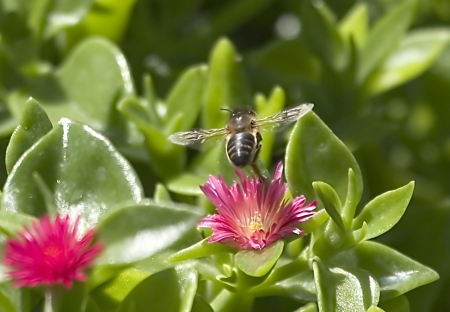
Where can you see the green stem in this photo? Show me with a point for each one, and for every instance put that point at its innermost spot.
(48, 303)
(227, 301)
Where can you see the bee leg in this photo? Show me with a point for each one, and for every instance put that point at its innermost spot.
(258, 173)
(254, 166)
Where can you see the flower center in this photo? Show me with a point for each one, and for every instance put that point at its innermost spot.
(255, 223)
(52, 251)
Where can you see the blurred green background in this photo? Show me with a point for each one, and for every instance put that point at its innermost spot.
(377, 71)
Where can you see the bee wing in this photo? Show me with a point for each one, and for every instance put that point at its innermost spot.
(195, 136)
(285, 117)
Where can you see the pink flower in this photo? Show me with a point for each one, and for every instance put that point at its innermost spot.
(49, 252)
(253, 214)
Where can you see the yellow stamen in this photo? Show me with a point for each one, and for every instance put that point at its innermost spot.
(255, 223)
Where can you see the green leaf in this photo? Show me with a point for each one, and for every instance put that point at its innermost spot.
(112, 292)
(201, 249)
(258, 263)
(397, 304)
(167, 159)
(310, 307)
(384, 211)
(225, 86)
(83, 170)
(155, 228)
(161, 194)
(14, 299)
(351, 201)
(163, 291)
(374, 309)
(322, 35)
(395, 273)
(150, 101)
(416, 53)
(315, 222)
(77, 90)
(108, 19)
(271, 106)
(185, 98)
(331, 202)
(200, 305)
(314, 153)
(354, 25)
(11, 222)
(62, 14)
(186, 184)
(294, 280)
(349, 289)
(384, 37)
(288, 58)
(34, 125)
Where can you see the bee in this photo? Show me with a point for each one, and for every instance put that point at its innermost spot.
(242, 133)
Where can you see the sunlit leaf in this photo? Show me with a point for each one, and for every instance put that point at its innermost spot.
(384, 37)
(395, 273)
(258, 262)
(155, 227)
(416, 53)
(83, 170)
(225, 86)
(314, 153)
(384, 211)
(34, 125)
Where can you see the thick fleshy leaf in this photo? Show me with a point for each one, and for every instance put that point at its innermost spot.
(314, 153)
(294, 280)
(34, 125)
(13, 299)
(155, 227)
(313, 223)
(186, 184)
(78, 90)
(159, 292)
(111, 293)
(62, 14)
(395, 273)
(258, 263)
(186, 97)
(354, 25)
(10, 222)
(384, 211)
(397, 304)
(331, 202)
(351, 201)
(322, 35)
(225, 86)
(384, 37)
(161, 194)
(166, 159)
(349, 289)
(200, 305)
(416, 53)
(107, 19)
(291, 58)
(266, 107)
(83, 170)
(201, 249)
(310, 307)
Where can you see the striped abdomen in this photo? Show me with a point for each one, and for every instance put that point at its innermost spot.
(241, 149)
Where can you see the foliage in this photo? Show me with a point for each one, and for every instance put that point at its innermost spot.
(82, 135)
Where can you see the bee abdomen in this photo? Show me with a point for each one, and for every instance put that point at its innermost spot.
(241, 148)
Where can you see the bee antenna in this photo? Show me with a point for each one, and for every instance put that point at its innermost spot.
(226, 109)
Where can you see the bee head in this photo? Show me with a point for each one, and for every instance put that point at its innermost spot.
(239, 112)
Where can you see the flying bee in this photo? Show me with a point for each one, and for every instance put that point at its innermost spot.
(242, 133)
